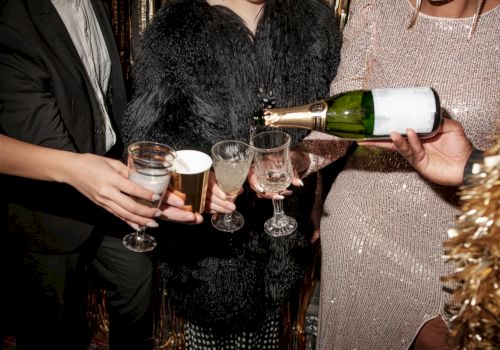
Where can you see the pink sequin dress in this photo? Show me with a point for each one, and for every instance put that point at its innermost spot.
(383, 225)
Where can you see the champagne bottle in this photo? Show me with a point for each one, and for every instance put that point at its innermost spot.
(363, 114)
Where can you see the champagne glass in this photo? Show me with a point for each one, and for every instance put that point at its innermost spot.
(149, 165)
(273, 169)
(231, 162)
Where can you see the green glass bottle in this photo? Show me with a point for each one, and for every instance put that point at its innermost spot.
(363, 114)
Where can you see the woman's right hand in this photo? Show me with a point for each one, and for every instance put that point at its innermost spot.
(104, 181)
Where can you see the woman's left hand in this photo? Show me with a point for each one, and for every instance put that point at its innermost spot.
(257, 188)
(173, 210)
(440, 159)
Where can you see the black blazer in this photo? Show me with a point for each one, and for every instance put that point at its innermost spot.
(47, 99)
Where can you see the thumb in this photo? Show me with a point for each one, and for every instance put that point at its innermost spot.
(296, 180)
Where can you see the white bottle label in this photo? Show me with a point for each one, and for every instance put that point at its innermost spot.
(402, 108)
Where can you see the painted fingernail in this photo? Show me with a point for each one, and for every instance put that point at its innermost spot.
(152, 224)
(156, 197)
(300, 182)
(278, 196)
(189, 217)
(259, 188)
(135, 227)
(158, 214)
(177, 203)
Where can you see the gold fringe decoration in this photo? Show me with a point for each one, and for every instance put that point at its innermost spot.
(300, 336)
(341, 10)
(169, 328)
(97, 314)
(129, 19)
(474, 247)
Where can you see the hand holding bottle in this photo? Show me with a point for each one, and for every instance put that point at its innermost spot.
(440, 159)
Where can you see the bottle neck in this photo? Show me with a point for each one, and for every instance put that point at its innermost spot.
(311, 116)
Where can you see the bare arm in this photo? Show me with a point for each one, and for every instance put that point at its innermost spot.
(39, 146)
(102, 180)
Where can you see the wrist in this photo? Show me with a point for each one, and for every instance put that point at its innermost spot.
(300, 160)
(475, 157)
(63, 165)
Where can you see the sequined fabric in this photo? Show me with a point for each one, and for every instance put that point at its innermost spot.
(383, 226)
(201, 338)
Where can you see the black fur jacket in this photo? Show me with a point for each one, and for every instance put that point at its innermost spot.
(199, 79)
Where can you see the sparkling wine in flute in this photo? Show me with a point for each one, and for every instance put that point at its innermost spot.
(274, 181)
(231, 175)
(231, 161)
(363, 114)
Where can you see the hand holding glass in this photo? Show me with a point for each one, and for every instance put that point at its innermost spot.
(274, 172)
(231, 162)
(149, 165)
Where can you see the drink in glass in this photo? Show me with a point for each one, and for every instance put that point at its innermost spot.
(150, 166)
(231, 161)
(274, 172)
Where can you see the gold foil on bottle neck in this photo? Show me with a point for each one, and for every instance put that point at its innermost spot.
(311, 116)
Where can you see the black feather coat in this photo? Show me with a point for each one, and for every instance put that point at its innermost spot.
(199, 79)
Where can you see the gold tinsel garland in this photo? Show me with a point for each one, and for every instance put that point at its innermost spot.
(474, 247)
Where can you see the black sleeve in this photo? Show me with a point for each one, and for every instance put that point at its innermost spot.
(476, 156)
(28, 109)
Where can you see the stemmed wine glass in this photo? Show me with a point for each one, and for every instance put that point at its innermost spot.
(231, 162)
(149, 165)
(273, 169)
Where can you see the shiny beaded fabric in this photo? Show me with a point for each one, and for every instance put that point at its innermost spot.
(383, 225)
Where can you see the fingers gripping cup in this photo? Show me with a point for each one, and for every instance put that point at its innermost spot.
(190, 178)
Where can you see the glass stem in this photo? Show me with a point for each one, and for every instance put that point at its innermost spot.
(279, 217)
(228, 217)
(140, 233)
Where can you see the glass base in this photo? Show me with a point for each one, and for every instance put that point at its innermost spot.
(286, 226)
(228, 224)
(139, 242)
